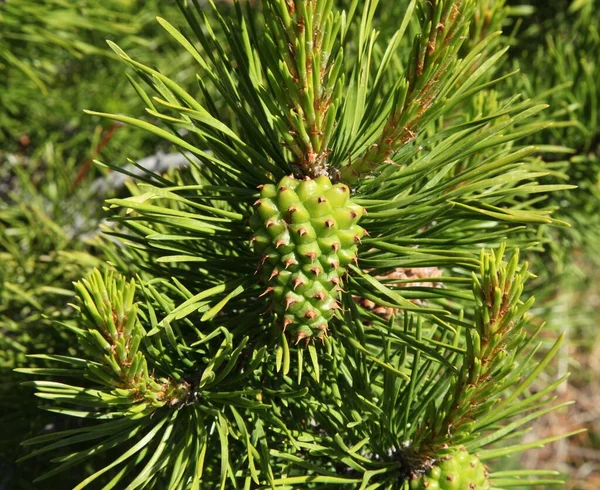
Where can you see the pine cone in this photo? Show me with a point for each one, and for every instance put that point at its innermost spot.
(306, 233)
(456, 469)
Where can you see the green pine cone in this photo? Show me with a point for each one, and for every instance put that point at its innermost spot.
(306, 234)
(456, 469)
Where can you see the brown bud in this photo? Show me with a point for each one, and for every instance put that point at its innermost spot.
(298, 282)
(283, 188)
(311, 314)
(302, 336)
(322, 199)
(311, 255)
(292, 209)
(289, 302)
(269, 223)
(320, 296)
(266, 291)
(280, 243)
(302, 231)
(289, 262)
(287, 321)
(329, 223)
(257, 203)
(275, 273)
(316, 271)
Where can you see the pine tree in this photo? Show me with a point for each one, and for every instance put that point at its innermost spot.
(330, 294)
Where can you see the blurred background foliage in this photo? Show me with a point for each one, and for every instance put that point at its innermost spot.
(54, 63)
(558, 52)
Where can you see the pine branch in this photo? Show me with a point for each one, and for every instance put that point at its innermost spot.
(432, 59)
(113, 337)
(491, 347)
(307, 79)
(142, 409)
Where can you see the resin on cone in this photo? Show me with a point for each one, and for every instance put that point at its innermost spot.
(455, 469)
(306, 234)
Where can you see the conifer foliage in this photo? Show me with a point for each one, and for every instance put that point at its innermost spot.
(329, 159)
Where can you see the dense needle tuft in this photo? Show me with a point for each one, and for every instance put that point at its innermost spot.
(306, 233)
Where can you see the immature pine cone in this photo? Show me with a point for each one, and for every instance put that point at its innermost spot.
(456, 469)
(306, 234)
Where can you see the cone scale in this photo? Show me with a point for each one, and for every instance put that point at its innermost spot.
(455, 469)
(305, 235)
